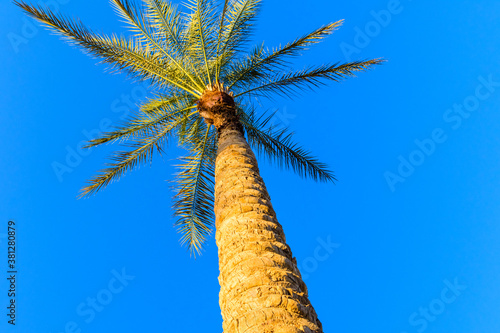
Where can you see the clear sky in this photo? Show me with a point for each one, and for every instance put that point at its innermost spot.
(406, 241)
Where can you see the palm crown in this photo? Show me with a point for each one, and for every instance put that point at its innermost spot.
(183, 55)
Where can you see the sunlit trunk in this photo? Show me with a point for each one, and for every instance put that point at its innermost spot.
(261, 287)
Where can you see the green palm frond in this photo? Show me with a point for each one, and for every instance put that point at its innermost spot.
(133, 15)
(152, 118)
(191, 130)
(169, 25)
(276, 144)
(286, 84)
(201, 33)
(236, 21)
(194, 199)
(143, 150)
(162, 103)
(145, 31)
(123, 54)
(223, 18)
(124, 161)
(181, 53)
(262, 62)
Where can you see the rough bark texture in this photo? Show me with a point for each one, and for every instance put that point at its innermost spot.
(218, 109)
(261, 288)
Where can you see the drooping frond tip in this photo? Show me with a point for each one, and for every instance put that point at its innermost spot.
(277, 145)
(194, 198)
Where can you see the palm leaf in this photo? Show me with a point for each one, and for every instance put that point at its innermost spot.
(288, 83)
(123, 161)
(146, 123)
(123, 54)
(146, 32)
(169, 26)
(193, 202)
(200, 34)
(262, 62)
(277, 145)
(239, 15)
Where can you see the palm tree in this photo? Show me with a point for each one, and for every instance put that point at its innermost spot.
(203, 84)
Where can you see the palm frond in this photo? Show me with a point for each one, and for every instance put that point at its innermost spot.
(200, 33)
(194, 200)
(151, 115)
(144, 124)
(288, 83)
(123, 54)
(262, 62)
(123, 161)
(239, 15)
(223, 18)
(169, 25)
(145, 30)
(161, 103)
(276, 144)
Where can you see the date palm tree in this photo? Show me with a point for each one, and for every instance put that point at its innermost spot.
(204, 83)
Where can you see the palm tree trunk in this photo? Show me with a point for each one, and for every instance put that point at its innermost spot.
(261, 288)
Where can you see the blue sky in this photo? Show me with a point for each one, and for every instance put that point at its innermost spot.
(410, 230)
